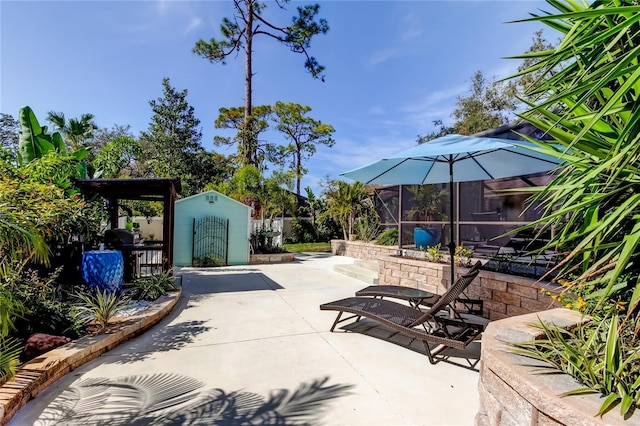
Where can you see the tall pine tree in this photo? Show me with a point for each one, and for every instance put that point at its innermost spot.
(172, 142)
(239, 32)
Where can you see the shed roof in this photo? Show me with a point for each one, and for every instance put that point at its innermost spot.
(213, 191)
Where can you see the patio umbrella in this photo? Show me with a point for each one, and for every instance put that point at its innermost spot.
(455, 158)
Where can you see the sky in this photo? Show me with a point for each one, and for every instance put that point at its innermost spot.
(392, 67)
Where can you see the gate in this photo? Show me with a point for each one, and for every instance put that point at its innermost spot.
(210, 245)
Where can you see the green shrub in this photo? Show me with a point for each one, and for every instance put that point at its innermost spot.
(367, 227)
(152, 287)
(463, 255)
(327, 229)
(389, 237)
(207, 261)
(302, 231)
(434, 254)
(46, 309)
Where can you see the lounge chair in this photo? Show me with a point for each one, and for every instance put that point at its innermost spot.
(417, 298)
(439, 325)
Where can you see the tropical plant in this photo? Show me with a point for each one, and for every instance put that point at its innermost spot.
(388, 237)
(46, 307)
(598, 355)
(589, 103)
(426, 202)
(346, 202)
(100, 306)
(77, 132)
(20, 242)
(10, 350)
(152, 287)
(367, 227)
(591, 108)
(34, 141)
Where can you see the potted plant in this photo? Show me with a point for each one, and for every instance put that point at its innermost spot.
(425, 203)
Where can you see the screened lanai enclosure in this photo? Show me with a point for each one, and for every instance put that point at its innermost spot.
(483, 211)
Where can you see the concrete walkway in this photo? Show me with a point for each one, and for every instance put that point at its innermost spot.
(249, 345)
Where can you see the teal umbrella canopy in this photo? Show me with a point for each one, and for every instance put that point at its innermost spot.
(455, 158)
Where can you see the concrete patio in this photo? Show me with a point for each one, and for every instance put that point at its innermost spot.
(249, 345)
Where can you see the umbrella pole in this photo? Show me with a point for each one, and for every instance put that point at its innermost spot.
(452, 241)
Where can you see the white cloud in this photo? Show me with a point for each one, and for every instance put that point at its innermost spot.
(348, 154)
(412, 28)
(195, 23)
(382, 55)
(434, 99)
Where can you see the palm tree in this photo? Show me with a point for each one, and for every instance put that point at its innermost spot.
(345, 203)
(77, 132)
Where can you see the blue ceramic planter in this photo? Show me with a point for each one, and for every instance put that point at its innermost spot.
(103, 270)
(425, 237)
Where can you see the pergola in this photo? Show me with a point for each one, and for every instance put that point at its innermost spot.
(147, 189)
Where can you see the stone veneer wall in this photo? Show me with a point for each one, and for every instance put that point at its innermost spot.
(503, 295)
(360, 250)
(514, 390)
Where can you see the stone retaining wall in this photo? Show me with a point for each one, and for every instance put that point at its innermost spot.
(255, 259)
(503, 295)
(35, 375)
(360, 250)
(514, 391)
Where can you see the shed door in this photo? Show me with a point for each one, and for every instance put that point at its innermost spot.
(210, 241)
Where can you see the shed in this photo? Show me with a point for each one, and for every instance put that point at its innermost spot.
(211, 229)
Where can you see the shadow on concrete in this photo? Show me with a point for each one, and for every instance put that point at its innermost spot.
(172, 399)
(226, 283)
(217, 270)
(470, 355)
(302, 256)
(169, 337)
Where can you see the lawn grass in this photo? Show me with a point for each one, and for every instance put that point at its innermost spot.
(308, 247)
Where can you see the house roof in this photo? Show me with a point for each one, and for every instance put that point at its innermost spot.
(510, 131)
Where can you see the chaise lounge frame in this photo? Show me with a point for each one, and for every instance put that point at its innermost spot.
(462, 304)
(439, 325)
